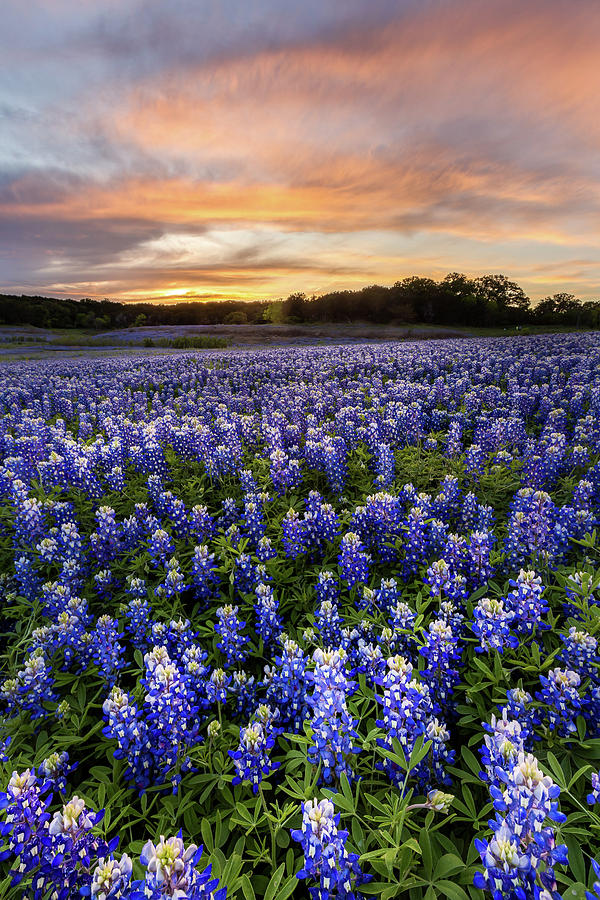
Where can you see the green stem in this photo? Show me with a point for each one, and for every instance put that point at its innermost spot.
(272, 829)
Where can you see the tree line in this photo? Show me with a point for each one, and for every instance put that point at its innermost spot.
(490, 300)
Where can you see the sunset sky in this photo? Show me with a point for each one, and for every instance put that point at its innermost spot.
(250, 148)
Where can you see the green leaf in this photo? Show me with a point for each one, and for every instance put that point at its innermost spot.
(575, 892)
(446, 865)
(287, 888)
(452, 890)
(271, 891)
(425, 844)
(347, 791)
(471, 760)
(556, 769)
(247, 889)
(419, 751)
(412, 844)
(207, 836)
(576, 860)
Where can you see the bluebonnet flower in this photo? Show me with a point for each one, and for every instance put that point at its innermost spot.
(154, 740)
(174, 581)
(480, 547)
(384, 464)
(107, 652)
(527, 602)
(492, 625)
(115, 479)
(53, 855)
(252, 759)
(26, 576)
(475, 515)
(402, 619)
(519, 707)
(160, 546)
(243, 689)
(504, 740)
(354, 562)
(172, 872)
(475, 459)
(333, 729)
(4, 745)
(268, 620)
(32, 688)
(69, 847)
(442, 650)
(561, 700)
(204, 575)
(286, 686)
(371, 660)
(285, 472)
(326, 859)
(320, 525)
(531, 536)
(232, 641)
(327, 586)
(200, 523)
(294, 534)
(128, 728)
(519, 859)
(174, 512)
(229, 513)
(580, 653)
(111, 879)
(104, 582)
(28, 519)
(136, 587)
(334, 454)
(179, 640)
(217, 686)
(264, 550)
(417, 540)
(329, 623)
(24, 806)
(138, 614)
(594, 795)
(54, 770)
(253, 522)
(106, 540)
(455, 552)
(441, 579)
(245, 574)
(407, 714)
(379, 525)
(596, 884)
(387, 595)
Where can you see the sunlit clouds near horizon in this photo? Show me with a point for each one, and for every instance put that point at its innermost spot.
(245, 150)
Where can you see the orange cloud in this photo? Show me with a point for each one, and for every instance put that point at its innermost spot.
(466, 132)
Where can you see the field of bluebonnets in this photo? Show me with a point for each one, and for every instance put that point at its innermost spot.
(315, 622)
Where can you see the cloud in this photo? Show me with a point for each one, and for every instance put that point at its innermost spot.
(448, 134)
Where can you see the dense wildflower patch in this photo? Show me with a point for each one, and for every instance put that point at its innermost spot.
(314, 622)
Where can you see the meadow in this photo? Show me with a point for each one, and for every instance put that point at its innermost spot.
(315, 621)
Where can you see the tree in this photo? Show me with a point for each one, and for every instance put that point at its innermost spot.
(294, 308)
(561, 307)
(273, 313)
(508, 295)
(236, 317)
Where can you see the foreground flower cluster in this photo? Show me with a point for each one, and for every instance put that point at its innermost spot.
(266, 602)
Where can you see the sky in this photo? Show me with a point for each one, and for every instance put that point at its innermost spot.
(251, 148)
